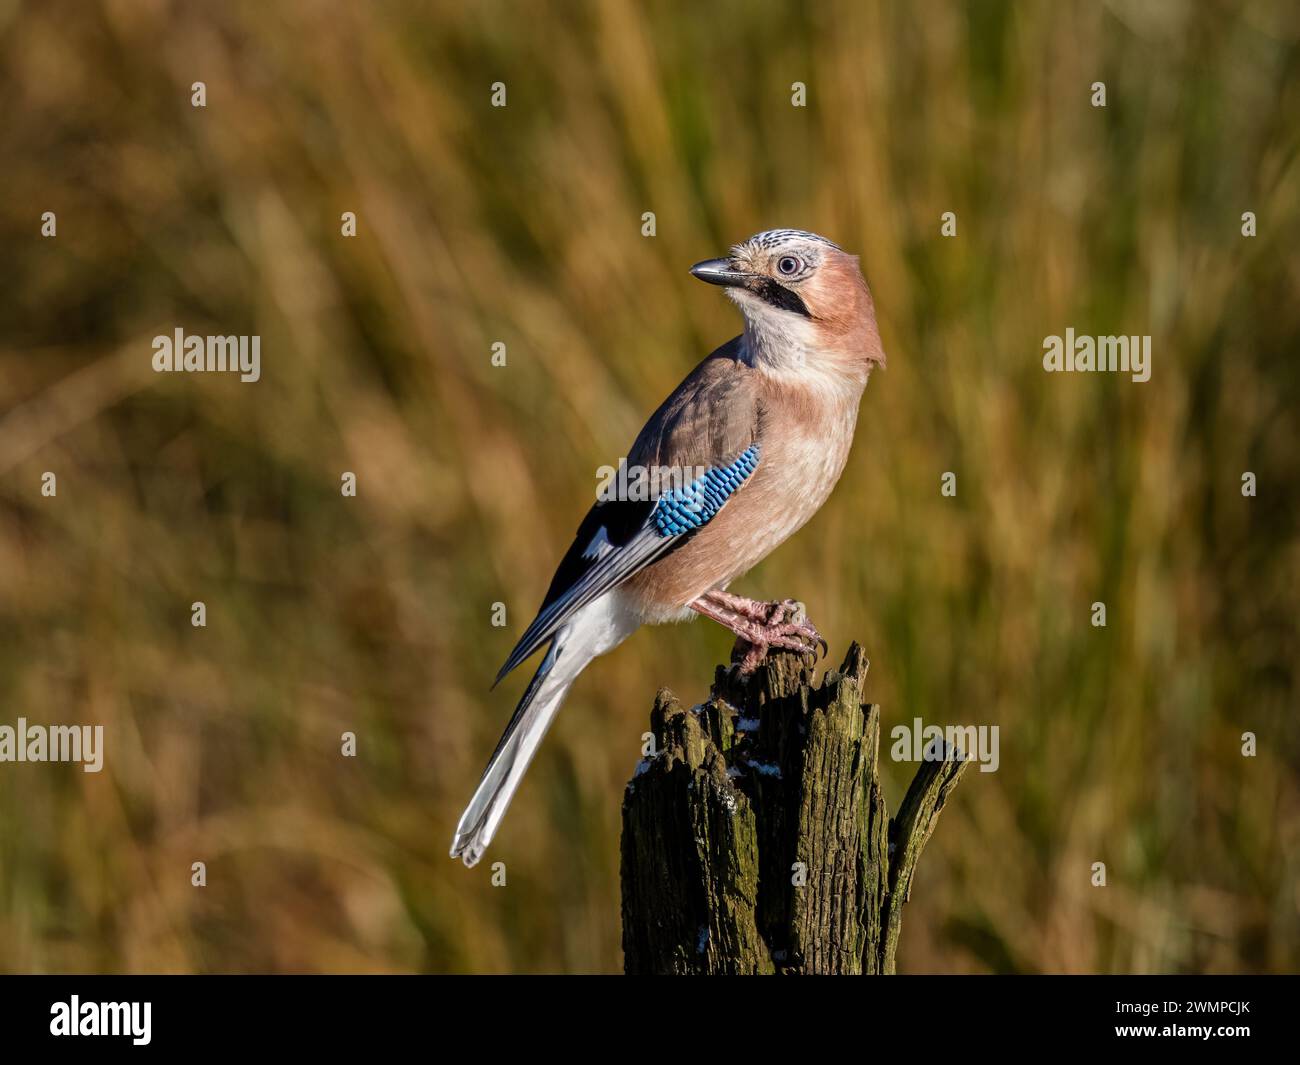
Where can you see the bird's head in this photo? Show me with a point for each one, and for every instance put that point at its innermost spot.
(800, 294)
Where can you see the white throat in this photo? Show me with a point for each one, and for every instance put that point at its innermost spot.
(775, 340)
(786, 346)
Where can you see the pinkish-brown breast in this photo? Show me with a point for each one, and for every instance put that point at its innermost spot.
(805, 432)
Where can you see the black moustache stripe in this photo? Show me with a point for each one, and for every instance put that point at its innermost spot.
(778, 295)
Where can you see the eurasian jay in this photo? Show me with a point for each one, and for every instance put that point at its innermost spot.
(766, 422)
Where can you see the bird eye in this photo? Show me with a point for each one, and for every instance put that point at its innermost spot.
(789, 265)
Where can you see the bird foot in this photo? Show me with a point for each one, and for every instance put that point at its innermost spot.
(761, 626)
(786, 628)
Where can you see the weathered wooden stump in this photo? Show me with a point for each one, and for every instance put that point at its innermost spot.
(756, 839)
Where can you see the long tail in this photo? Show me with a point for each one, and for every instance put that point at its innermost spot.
(592, 631)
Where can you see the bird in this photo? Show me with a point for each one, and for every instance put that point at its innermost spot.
(753, 441)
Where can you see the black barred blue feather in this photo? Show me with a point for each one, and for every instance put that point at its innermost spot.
(686, 509)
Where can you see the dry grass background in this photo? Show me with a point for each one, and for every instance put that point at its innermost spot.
(523, 225)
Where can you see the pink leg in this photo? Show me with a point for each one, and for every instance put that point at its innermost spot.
(754, 609)
(761, 625)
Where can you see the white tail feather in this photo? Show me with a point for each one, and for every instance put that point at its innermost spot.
(593, 630)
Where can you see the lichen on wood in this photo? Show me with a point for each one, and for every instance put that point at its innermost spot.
(756, 837)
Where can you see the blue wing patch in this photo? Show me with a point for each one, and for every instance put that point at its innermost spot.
(685, 509)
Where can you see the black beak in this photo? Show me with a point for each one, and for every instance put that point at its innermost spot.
(720, 272)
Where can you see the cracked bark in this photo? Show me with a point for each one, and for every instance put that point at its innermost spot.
(756, 839)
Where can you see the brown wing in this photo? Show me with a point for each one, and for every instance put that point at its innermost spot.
(709, 420)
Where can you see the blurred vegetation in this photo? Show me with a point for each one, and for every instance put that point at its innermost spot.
(522, 225)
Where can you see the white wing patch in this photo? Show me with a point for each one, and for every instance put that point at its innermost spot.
(600, 545)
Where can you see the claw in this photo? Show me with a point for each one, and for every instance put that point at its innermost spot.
(790, 618)
(761, 626)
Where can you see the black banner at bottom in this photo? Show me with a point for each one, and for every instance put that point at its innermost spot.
(342, 1014)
